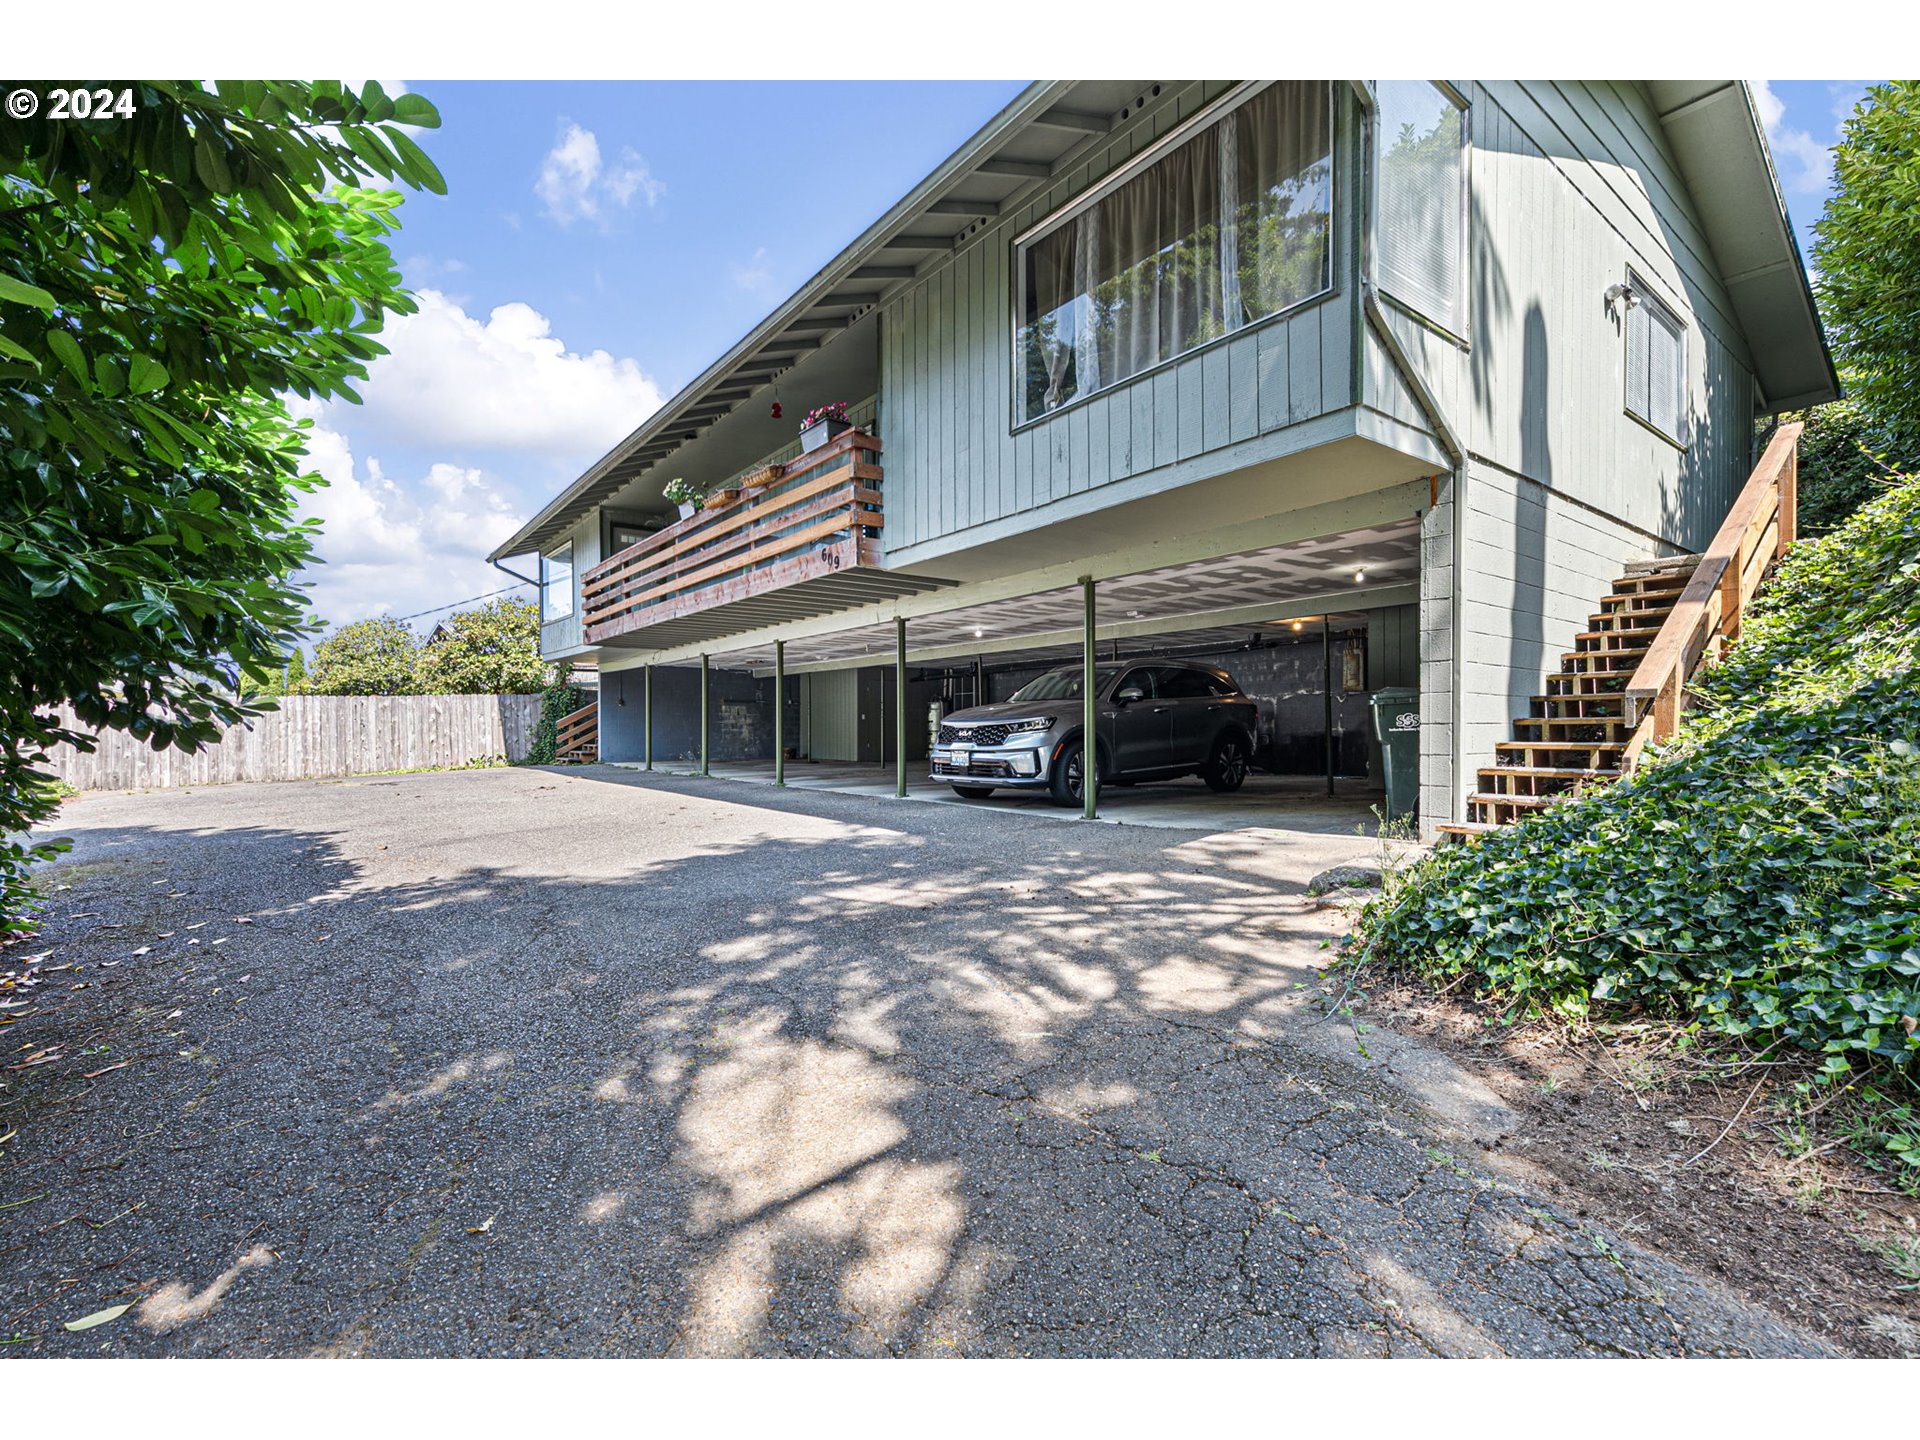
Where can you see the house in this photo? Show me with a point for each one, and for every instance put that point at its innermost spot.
(1348, 384)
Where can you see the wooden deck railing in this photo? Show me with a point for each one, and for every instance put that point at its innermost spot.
(816, 514)
(1756, 532)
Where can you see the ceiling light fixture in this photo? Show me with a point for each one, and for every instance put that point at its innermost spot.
(1360, 576)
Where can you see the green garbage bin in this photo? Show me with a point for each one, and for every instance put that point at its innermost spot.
(1396, 724)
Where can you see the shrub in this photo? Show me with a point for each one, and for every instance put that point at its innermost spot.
(1760, 875)
(556, 703)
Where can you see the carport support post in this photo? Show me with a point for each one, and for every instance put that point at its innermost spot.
(647, 715)
(1326, 684)
(900, 707)
(1089, 743)
(779, 712)
(703, 717)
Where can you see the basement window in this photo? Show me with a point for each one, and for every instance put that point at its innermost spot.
(556, 584)
(1225, 225)
(1656, 362)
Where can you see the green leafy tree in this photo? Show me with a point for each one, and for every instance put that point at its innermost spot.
(369, 657)
(493, 649)
(1847, 457)
(1867, 251)
(164, 276)
(294, 674)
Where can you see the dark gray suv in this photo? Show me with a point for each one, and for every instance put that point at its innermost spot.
(1154, 720)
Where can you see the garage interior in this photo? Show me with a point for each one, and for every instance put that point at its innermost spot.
(1308, 654)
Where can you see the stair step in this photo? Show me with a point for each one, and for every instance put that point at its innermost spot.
(1615, 699)
(1554, 772)
(1598, 635)
(1592, 749)
(1639, 568)
(1622, 661)
(1521, 802)
(1467, 829)
(1563, 722)
(1664, 598)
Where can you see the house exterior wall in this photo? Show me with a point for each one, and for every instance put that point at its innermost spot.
(954, 464)
(1572, 185)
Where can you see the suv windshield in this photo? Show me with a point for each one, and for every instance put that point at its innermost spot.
(1061, 685)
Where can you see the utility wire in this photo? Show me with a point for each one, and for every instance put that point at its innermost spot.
(468, 601)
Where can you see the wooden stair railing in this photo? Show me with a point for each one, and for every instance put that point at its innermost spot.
(1623, 686)
(577, 736)
(1757, 531)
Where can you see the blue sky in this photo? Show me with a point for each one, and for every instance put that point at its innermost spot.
(600, 244)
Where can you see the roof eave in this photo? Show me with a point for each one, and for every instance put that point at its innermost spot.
(1035, 99)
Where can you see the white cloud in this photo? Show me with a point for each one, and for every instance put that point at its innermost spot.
(393, 548)
(452, 380)
(466, 425)
(575, 184)
(756, 275)
(1806, 165)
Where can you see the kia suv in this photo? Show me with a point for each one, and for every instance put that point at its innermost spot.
(1153, 720)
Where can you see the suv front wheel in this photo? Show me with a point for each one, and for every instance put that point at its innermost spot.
(1226, 768)
(1066, 786)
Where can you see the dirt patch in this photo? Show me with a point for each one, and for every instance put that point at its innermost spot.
(1710, 1161)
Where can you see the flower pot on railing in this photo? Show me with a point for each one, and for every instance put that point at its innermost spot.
(822, 432)
(822, 424)
(720, 499)
(688, 509)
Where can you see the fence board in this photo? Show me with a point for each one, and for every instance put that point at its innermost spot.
(316, 736)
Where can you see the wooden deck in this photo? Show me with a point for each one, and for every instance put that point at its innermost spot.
(805, 541)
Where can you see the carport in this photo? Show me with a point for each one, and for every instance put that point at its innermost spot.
(1310, 628)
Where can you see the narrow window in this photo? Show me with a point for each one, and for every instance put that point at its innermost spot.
(1420, 212)
(1226, 228)
(556, 584)
(1656, 362)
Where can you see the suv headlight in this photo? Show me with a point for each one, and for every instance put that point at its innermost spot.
(1022, 727)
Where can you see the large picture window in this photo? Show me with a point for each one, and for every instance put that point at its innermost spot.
(1228, 227)
(1420, 220)
(556, 584)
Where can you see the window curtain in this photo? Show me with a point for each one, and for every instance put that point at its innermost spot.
(1226, 229)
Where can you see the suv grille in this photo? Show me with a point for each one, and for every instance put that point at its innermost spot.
(973, 734)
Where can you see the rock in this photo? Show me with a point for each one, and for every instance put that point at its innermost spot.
(1345, 877)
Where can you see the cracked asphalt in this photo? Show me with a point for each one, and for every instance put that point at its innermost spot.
(587, 1062)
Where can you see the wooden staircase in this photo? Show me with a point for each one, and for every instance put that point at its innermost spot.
(577, 736)
(1577, 735)
(1623, 685)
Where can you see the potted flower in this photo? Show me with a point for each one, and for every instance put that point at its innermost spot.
(822, 424)
(679, 492)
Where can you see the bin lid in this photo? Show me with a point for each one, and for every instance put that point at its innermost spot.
(1396, 695)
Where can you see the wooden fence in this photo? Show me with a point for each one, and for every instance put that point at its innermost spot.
(310, 736)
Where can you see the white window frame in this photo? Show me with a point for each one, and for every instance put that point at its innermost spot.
(1646, 294)
(1210, 114)
(1463, 336)
(549, 613)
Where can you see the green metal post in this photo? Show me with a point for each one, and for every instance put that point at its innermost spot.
(779, 712)
(703, 717)
(899, 707)
(1089, 736)
(648, 716)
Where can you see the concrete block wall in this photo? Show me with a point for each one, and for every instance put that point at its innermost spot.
(740, 715)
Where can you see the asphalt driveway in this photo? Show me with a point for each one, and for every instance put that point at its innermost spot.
(591, 1062)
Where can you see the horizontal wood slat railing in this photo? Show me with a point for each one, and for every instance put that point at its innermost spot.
(578, 730)
(814, 502)
(1707, 617)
